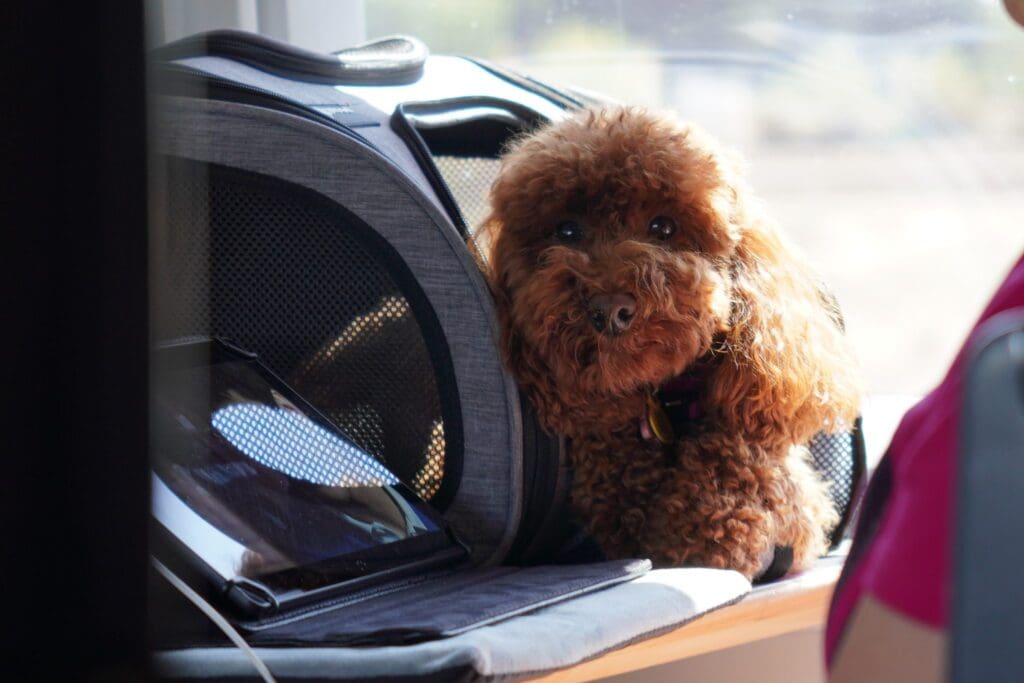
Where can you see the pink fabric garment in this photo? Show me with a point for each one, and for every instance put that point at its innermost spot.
(908, 565)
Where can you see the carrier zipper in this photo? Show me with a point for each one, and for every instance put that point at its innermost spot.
(545, 493)
(556, 96)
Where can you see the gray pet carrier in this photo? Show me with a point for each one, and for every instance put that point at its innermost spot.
(316, 209)
(311, 223)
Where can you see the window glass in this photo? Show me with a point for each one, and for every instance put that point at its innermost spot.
(887, 137)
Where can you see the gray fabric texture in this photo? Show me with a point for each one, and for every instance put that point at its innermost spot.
(442, 605)
(348, 109)
(368, 108)
(487, 506)
(550, 638)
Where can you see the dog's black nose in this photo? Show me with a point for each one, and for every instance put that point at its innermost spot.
(612, 313)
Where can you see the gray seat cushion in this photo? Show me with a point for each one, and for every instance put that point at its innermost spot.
(549, 638)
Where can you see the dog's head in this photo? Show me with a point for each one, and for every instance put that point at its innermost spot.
(622, 250)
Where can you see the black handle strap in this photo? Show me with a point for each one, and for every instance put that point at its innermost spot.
(386, 61)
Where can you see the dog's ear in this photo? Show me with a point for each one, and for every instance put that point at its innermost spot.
(487, 251)
(491, 251)
(492, 254)
(787, 371)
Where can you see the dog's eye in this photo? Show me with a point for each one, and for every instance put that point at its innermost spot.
(661, 227)
(569, 232)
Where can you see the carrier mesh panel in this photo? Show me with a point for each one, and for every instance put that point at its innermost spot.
(246, 258)
(469, 179)
(835, 458)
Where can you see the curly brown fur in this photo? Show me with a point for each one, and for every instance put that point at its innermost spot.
(724, 293)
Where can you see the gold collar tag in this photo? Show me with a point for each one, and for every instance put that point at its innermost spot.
(658, 421)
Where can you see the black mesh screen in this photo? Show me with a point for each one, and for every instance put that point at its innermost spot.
(839, 459)
(325, 302)
(469, 179)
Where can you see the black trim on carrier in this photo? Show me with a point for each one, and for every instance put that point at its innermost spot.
(497, 119)
(860, 467)
(547, 521)
(423, 312)
(395, 60)
(562, 98)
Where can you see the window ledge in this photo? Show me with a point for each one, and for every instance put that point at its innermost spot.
(775, 609)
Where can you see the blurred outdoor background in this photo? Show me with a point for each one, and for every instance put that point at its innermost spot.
(886, 136)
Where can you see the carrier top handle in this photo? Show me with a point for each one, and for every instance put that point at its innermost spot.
(394, 60)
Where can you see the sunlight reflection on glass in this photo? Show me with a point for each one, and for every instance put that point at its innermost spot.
(291, 443)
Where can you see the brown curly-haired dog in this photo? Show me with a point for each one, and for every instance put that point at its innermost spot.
(634, 274)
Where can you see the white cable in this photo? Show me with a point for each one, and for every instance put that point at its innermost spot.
(215, 616)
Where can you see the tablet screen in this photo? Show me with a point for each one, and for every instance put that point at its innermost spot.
(259, 485)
